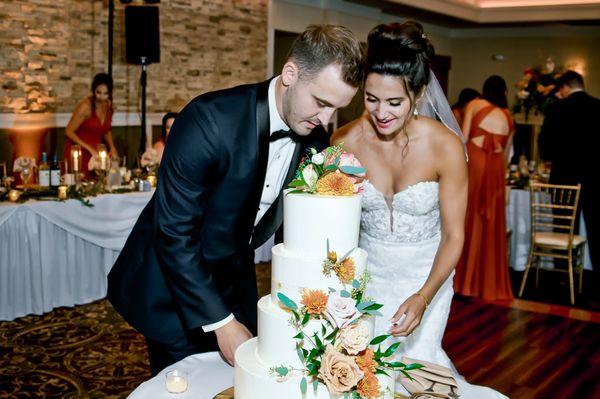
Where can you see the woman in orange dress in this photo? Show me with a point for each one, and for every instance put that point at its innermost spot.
(90, 123)
(483, 268)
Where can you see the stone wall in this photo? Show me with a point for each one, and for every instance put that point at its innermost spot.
(51, 49)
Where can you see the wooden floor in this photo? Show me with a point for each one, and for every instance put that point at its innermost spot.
(524, 354)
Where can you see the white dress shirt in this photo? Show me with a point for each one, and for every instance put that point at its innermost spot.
(280, 156)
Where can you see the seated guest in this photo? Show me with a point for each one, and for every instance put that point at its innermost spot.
(569, 128)
(167, 122)
(90, 123)
(458, 109)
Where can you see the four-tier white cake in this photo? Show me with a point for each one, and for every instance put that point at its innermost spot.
(310, 221)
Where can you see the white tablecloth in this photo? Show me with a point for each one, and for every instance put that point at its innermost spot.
(518, 219)
(207, 375)
(59, 253)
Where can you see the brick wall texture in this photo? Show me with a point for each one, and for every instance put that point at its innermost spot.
(51, 49)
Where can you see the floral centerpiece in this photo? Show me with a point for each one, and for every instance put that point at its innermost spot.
(537, 88)
(332, 171)
(341, 353)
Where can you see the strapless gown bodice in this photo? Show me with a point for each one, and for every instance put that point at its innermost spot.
(414, 214)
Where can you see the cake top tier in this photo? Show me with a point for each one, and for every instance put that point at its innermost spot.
(309, 221)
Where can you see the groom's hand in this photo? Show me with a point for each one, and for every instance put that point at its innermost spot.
(229, 337)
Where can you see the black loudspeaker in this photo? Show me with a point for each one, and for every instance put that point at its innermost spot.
(142, 34)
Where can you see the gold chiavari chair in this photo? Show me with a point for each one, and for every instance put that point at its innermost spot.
(553, 214)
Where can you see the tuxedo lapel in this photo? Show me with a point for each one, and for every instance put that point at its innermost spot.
(262, 158)
(272, 219)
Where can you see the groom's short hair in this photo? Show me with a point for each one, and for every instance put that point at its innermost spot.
(571, 79)
(322, 45)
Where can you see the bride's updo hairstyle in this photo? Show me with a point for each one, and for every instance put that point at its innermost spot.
(401, 50)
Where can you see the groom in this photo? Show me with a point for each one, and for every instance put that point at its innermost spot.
(185, 278)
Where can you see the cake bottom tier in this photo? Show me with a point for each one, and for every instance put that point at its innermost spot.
(254, 381)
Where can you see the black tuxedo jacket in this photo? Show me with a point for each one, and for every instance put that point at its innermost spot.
(569, 131)
(189, 260)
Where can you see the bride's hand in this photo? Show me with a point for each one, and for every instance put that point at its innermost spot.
(413, 309)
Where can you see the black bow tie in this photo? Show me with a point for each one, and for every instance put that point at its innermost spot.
(281, 134)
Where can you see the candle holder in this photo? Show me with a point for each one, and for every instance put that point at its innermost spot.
(62, 192)
(176, 381)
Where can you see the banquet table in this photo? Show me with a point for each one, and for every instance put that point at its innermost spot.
(207, 376)
(59, 253)
(518, 219)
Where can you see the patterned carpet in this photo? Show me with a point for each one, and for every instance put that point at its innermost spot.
(87, 351)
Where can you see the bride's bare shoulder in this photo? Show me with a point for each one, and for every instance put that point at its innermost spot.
(349, 133)
(444, 141)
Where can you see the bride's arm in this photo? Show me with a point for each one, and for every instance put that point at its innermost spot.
(453, 205)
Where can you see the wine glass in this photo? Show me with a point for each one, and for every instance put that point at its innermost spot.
(26, 172)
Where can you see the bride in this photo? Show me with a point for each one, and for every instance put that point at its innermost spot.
(415, 198)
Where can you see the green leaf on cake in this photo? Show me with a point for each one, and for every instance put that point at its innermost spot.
(382, 372)
(396, 365)
(315, 385)
(331, 290)
(287, 302)
(323, 331)
(345, 294)
(282, 371)
(300, 335)
(379, 339)
(390, 351)
(303, 385)
(413, 366)
(306, 318)
(297, 183)
(355, 284)
(353, 170)
(300, 353)
(346, 395)
(318, 342)
(361, 307)
(331, 336)
(355, 395)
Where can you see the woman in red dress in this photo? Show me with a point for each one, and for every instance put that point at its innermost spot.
(483, 268)
(90, 123)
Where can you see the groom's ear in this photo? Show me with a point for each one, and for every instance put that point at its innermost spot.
(290, 73)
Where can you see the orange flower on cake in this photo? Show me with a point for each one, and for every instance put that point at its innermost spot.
(368, 387)
(345, 270)
(335, 184)
(366, 362)
(315, 301)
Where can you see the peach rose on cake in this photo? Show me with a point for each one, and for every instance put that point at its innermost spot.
(355, 337)
(339, 372)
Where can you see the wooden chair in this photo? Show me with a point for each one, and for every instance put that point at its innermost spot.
(553, 215)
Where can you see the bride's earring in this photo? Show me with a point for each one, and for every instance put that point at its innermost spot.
(415, 112)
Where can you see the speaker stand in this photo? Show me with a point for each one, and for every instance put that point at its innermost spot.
(143, 82)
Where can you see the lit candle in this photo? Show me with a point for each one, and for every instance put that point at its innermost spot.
(102, 155)
(176, 381)
(4, 169)
(13, 195)
(76, 158)
(62, 192)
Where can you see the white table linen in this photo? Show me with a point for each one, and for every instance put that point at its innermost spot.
(59, 253)
(207, 376)
(518, 219)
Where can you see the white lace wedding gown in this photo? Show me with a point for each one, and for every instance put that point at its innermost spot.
(402, 244)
